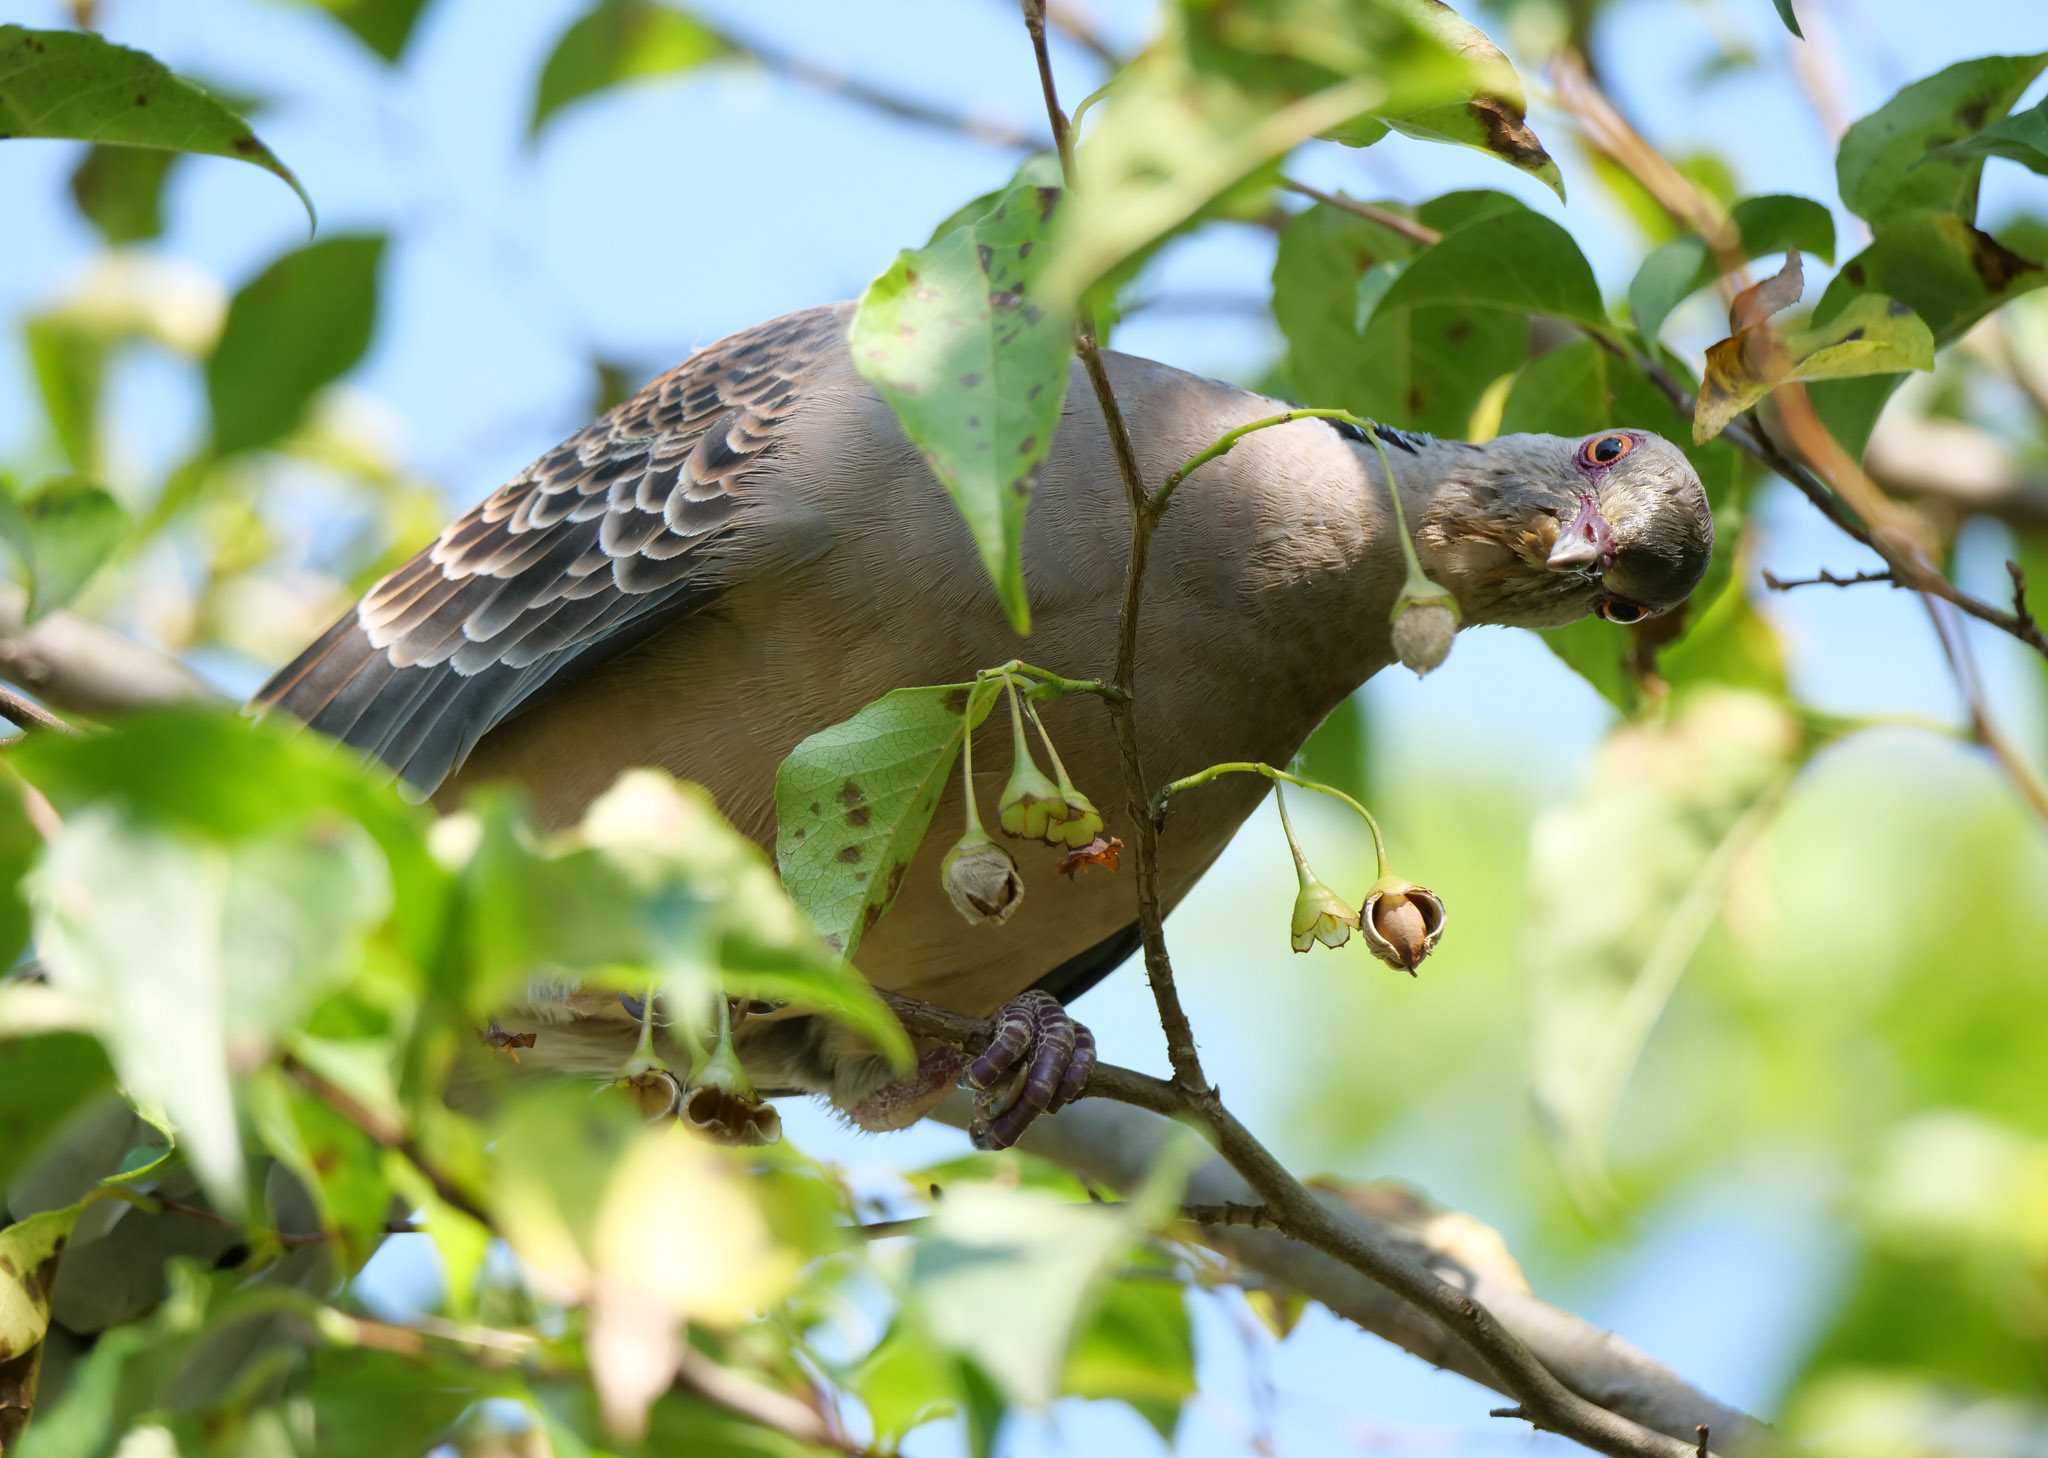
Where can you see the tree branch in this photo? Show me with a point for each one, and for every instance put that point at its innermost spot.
(79, 666)
(1116, 1147)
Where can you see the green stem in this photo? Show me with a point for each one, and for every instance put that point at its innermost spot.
(1020, 752)
(1302, 873)
(1278, 776)
(967, 776)
(1224, 443)
(1059, 771)
(1044, 681)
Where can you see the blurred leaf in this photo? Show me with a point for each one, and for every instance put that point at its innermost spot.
(199, 955)
(1137, 1346)
(1770, 224)
(904, 1383)
(2022, 138)
(1791, 20)
(120, 190)
(372, 1404)
(1339, 753)
(956, 339)
(340, 1165)
(61, 533)
(202, 926)
(1036, 1259)
(69, 362)
(68, 83)
(674, 846)
(1893, 161)
(650, 1225)
(617, 42)
(1627, 877)
(44, 1081)
(29, 1252)
(382, 25)
(1520, 261)
(1874, 335)
(1424, 367)
(853, 802)
(300, 324)
(1228, 89)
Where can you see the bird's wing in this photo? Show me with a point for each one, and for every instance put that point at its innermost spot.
(595, 545)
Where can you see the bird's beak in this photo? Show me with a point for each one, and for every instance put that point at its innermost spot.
(1586, 544)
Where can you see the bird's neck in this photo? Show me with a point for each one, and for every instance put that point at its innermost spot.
(1326, 590)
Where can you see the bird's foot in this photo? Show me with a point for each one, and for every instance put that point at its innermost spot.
(1037, 1063)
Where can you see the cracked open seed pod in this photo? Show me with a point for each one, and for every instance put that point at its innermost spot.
(720, 1103)
(1320, 915)
(980, 879)
(1401, 922)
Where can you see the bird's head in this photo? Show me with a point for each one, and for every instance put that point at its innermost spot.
(1539, 530)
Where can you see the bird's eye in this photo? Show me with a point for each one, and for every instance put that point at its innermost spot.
(1620, 610)
(1605, 450)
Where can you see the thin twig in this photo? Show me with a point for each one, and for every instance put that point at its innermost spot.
(1173, 1020)
(1387, 218)
(286, 1238)
(390, 1135)
(1825, 578)
(823, 78)
(27, 714)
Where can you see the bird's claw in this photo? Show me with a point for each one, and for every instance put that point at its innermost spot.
(1037, 1063)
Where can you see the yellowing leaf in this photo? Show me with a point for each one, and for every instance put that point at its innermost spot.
(1874, 335)
(29, 1252)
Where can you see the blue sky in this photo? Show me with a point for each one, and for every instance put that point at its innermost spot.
(658, 219)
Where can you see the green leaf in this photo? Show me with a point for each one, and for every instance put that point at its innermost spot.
(1228, 89)
(1494, 119)
(120, 191)
(61, 534)
(1951, 275)
(382, 25)
(1774, 223)
(1791, 20)
(1037, 1259)
(1424, 367)
(340, 1165)
(372, 1404)
(1138, 1346)
(2022, 139)
(853, 802)
(71, 83)
(1519, 261)
(198, 955)
(1626, 877)
(29, 1252)
(43, 1082)
(618, 42)
(1874, 335)
(1895, 160)
(69, 360)
(904, 1383)
(959, 343)
(682, 856)
(300, 324)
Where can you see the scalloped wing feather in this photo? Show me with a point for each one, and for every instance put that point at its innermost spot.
(593, 547)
